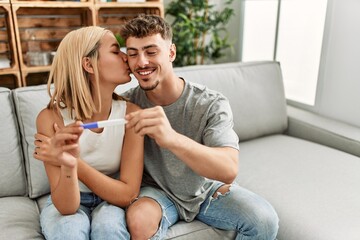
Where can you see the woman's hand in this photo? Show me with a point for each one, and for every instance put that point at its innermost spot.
(60, 149)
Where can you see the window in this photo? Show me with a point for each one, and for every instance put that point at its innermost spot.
(291, 32)
(260, 19)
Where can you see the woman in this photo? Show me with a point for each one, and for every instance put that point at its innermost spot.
(85, 72)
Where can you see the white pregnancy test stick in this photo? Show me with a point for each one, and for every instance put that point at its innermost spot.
(105, 123)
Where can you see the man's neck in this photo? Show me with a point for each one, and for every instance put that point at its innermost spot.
(167, 92)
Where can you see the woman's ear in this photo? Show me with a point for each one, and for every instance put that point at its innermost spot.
(87, 65)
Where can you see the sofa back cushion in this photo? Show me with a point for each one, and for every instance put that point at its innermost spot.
(12, 176)
(29, 101)
(255, 92)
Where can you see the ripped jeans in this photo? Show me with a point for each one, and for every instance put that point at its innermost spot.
(240, 210)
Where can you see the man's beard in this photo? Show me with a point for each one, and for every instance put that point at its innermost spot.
(150, 87)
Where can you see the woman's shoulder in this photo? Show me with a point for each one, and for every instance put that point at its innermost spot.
(48, 115)
(131, 107)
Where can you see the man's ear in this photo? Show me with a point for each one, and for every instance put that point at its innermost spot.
(172, 55)
(87, 65)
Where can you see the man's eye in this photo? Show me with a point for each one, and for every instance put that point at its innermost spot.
(130, 54)
(151, 53)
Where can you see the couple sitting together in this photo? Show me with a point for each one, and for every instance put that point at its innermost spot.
(175, 159)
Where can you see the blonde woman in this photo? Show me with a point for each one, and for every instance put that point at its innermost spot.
(87, 201)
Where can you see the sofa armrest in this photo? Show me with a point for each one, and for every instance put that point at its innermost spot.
(313, 127)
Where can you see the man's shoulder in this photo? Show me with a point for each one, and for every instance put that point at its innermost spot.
(204, 91)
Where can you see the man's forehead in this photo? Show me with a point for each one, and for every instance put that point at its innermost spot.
(146, 42)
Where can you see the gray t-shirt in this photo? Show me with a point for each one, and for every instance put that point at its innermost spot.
(201, 114)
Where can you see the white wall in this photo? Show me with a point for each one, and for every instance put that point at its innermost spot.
(338, 94)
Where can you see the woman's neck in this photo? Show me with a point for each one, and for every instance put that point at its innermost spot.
(104, 105)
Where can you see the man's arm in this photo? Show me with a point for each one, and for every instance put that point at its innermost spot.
(218, 163)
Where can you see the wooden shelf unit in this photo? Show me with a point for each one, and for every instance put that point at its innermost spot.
(41, 25)
(9, 70)
(111, 17)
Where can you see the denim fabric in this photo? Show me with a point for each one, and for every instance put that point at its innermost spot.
(95, 219)
(251, 216)
(169, 211)
(240, 210)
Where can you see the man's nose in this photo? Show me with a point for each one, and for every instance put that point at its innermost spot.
(142, 60)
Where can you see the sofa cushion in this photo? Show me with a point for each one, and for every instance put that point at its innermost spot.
(29, 102)
(12, 177)
(255, 91)
(197, 230)
(19, 218)
(312, 187)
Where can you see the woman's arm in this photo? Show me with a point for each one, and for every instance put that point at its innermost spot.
(63, 178)
(119, 192)
(123, 191)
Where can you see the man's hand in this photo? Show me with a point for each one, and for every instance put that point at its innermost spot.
(153, 123)
(60, 149)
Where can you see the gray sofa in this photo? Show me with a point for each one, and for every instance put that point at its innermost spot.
(307, 166)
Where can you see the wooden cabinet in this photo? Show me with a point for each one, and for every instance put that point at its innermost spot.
(9, 66)
(112, 15)
(34, 29)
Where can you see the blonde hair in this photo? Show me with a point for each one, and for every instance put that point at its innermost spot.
(73, 89)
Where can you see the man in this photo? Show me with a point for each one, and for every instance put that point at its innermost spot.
(191, 150)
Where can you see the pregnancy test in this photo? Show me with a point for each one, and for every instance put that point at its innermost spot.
(105, 123)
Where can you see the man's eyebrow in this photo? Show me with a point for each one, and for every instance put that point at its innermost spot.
(149, 46)
(143, 48)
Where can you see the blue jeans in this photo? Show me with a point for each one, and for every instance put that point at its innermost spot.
(95, 219)
(240, 210)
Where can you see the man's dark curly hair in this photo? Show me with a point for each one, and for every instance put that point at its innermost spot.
(146, 25)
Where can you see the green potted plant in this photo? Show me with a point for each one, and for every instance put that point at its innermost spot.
(200, 32)
(120, 40)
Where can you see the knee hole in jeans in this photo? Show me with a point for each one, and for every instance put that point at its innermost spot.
(223, 190)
